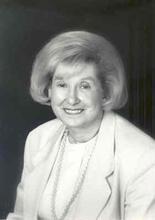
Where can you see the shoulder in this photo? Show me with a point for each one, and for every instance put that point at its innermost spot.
(46, 128)
(38, 138)
(135, 149)
(127, 133)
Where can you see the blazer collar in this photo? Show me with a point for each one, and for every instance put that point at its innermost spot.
(96, 189)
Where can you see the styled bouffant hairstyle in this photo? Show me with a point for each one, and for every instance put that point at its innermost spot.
(75, 47)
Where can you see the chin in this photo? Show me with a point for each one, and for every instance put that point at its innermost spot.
(73, 124)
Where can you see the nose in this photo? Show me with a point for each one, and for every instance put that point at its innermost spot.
(73, 97)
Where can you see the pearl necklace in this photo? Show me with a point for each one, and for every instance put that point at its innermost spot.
(79, 182)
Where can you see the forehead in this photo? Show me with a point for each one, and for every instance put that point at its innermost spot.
(82, 69)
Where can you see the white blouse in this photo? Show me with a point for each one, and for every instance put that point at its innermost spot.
(71, 164)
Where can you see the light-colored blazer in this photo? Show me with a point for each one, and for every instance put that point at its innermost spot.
(120, 180)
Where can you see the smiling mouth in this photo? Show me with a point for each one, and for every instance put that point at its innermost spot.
(73, 111)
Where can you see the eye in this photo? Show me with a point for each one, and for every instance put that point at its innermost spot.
(85, 85)
(61, 84)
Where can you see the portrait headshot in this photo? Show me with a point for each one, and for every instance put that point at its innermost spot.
(79, 145)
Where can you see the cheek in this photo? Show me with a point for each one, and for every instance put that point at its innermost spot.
(57, 97)
(95, 99)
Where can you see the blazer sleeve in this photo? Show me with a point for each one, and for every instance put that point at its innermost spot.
(140, 193)
(27, 167)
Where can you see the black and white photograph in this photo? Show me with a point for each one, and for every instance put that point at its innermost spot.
(77, 113)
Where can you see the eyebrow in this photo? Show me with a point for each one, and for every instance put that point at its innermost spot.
(86, 78)
(89, 79)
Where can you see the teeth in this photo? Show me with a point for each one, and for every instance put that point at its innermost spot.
(71, 111)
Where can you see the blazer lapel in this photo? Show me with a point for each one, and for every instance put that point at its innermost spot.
(96, 190)
(37, 180)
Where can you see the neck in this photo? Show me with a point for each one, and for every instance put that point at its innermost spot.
(84, 134)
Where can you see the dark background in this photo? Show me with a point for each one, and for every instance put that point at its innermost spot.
(24, 28)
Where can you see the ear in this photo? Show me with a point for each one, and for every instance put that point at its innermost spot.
(105, 101)
(49, 91)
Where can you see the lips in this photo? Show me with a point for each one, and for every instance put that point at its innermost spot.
(73, 111)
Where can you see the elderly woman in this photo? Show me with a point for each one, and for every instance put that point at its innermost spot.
(89, 163)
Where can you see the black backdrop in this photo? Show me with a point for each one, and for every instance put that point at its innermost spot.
(25, 27)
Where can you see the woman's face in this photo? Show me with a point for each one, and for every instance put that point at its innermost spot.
(76, 95)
